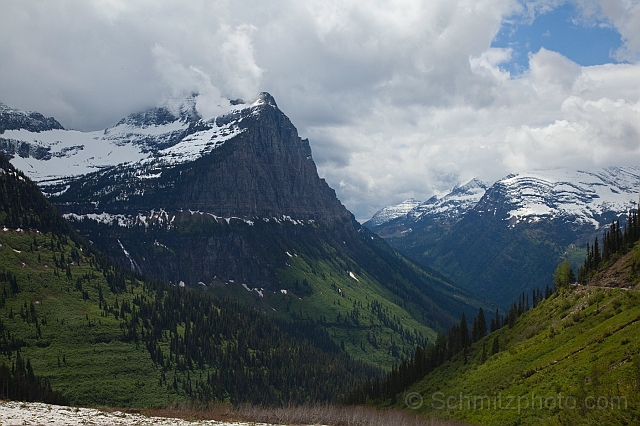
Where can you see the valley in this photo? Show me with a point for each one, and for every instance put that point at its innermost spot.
(499, 240)
(234, 206)
(215, 265)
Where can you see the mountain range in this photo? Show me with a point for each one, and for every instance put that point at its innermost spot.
(234, 205)
(242, 278)
(504, 238)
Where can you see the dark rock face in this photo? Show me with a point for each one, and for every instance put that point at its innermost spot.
(11, 148)
(201, 248)
(11, 119)
(225, 214)
(266, 171)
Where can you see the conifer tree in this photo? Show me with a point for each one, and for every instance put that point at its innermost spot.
(464, 332)
(481, 325)
(495, 348)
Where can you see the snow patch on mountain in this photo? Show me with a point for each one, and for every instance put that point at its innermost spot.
(150, 141)
(196, 145)
(166, 219)
(67, 159)
(453, 204)
(105, 218)
(389, 213)
(576, 195)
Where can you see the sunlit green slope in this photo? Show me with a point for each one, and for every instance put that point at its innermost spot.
(103, 336)
(574, 359)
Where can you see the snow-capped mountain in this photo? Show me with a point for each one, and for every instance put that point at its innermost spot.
(581, 197)
(509, 237)
(164, 136)
(577, 196)
(390, 213)
(448, 207)
(12, 119)
(451, 205)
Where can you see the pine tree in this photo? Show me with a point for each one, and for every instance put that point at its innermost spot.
(495, 347)
(464, 332)
(482, 324)
(495, 322)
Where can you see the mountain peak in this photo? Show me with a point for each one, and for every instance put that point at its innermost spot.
(266, 98)
(392, 212)
(14, 119)
(170, 111)
(472, 184)
(450, 205)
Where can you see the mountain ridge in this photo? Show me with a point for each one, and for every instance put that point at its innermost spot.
(236, 208)
(584, 195)
(512, 238)
(13, 119)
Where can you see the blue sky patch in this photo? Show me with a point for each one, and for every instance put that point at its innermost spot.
(559, 30)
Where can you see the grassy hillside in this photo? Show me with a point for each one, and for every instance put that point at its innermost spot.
(103, 336)
(61, 328)
(574, 359)
(373, 322)
(371, 300)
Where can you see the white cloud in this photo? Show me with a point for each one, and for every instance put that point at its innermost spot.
(185, 81)
(238, 62)
(624, 15)
(399, 98)
(550, 71)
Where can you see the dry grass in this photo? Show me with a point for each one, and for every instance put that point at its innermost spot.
(304, 415)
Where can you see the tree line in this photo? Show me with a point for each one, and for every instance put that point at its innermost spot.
(616, 241)
(459, 339)
(205, 348)
(19, 382)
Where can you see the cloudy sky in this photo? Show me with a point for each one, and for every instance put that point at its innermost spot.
(399, 98)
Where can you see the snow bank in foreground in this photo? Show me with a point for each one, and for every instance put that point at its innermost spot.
(36, 413)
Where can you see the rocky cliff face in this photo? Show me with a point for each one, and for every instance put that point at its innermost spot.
(12, 119)
(218, 199)
(265, 171)
(33, 122)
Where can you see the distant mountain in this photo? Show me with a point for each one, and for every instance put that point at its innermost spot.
(395, 221)
(390, 213)
(235, 206)
(13, 119)
(503, 239)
